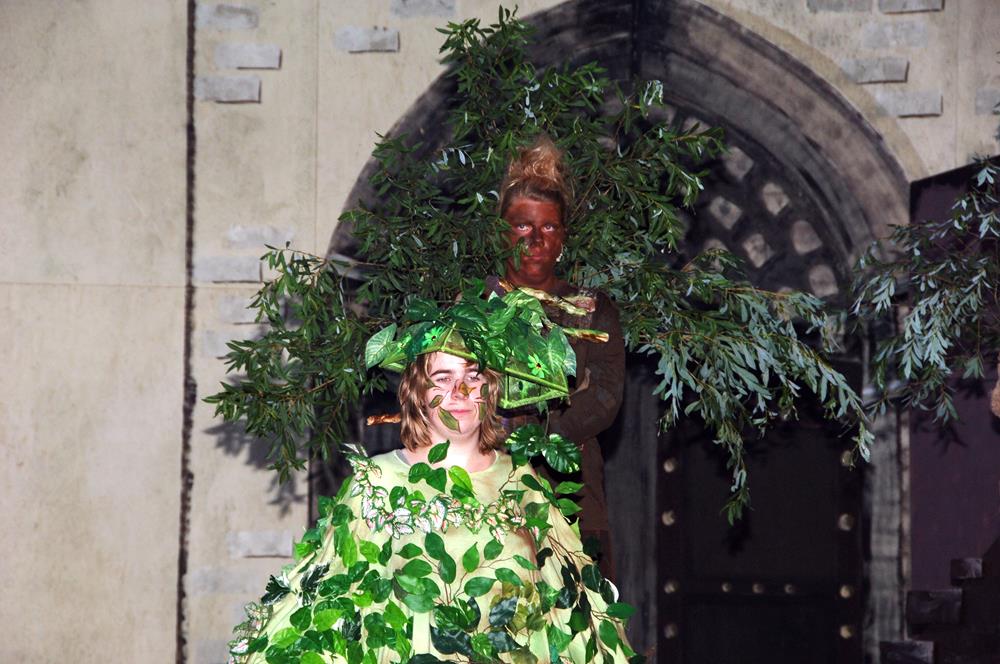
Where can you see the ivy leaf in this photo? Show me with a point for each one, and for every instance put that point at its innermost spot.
(567, 488)
(482, 646)
(409, 584)
(507, 575)
(460, 477)
(524, 562)
(370, 551)
(417, 568)
(561, 454)
(285, 638)
(379, 345)
(418, 471)
(437, 453)
(567, 506)
(608, 634)
(311, 658)
(419, 603)
(470, 559)
(478, 586)
(323, 620)
(437, 479)
(492, 549)
(394, 616)
(301, 619)
(434, 546)
(446, 568)
(503, 611)
(620, 610)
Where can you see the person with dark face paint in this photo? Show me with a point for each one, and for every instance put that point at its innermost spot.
(535, 200)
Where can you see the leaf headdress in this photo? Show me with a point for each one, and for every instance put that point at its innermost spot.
(510, 334)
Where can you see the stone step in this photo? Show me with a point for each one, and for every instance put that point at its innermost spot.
(934, 607)
(964, 569)
(906, 652)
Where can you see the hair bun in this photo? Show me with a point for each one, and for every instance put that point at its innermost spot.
(538, 172)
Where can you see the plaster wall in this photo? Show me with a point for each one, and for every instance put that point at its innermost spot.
(92, 232)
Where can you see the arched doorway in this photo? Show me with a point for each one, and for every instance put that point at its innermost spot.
(808, 185)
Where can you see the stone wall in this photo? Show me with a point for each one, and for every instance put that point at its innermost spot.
(92, 235)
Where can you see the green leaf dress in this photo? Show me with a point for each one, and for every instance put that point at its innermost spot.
(416, 564)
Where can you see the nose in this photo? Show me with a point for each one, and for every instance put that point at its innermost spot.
(462, 390)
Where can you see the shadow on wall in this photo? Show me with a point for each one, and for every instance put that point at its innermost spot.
(233, 439)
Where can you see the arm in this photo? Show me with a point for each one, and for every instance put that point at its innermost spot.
(593, 409)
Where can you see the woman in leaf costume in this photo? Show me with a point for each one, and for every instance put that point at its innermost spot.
(449, 549)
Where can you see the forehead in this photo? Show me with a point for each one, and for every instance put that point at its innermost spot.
(529, 209)
(451, 363)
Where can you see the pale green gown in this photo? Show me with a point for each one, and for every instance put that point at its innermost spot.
(409, 559)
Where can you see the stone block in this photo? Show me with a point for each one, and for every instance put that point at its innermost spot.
(905, 104)
(226, 17)
(905, 6)
(259, 544)
(411, 8)
(906, 652)
(212, 343)
(897, 34)
(247, 56)
(228, 89)
(737, 162)
(757, 250)
(228, 580)
(822, 281)
(256, 237)
(876, 70)
(934, 607)
(804, 237)
(695, 124)
(839, 5)
(356, 39)
(211, 651)
(233, 309)
(774, 197)
(987, 101)
(724, 212)
(227, 269)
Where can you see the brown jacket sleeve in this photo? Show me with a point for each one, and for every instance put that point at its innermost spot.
(592, 410)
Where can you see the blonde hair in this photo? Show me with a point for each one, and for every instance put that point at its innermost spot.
(415, 424)
(538, 173)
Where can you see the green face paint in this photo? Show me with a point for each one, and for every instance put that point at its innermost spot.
(449, 420)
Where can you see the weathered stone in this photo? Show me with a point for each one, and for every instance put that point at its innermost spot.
(905, 104)
(233, 309)
(987, 101)
(255, 237)
(411, 8)
(227, 269)
(904, 6)
(228, 579)
(356, 39)
(228, 89)
(804, 237)
(211, 651)
(212, 343)
(737, 162)
(247, 56)
(822, 281)
(876, 70)
(724, 212)
(934, 607)
(906, 652)
(897, 34)
(757, 249)
(774, 197)
(226, 17)
(259, 544)
(840, 5)
(713, 243)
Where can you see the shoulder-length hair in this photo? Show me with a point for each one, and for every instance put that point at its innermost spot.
(415, 425)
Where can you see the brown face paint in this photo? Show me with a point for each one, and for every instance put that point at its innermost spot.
(464, 389)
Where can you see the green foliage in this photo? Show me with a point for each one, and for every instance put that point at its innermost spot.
(727, 353)
(939, 292)
(363, 610)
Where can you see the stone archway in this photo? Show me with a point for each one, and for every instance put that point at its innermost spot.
(808, 186)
